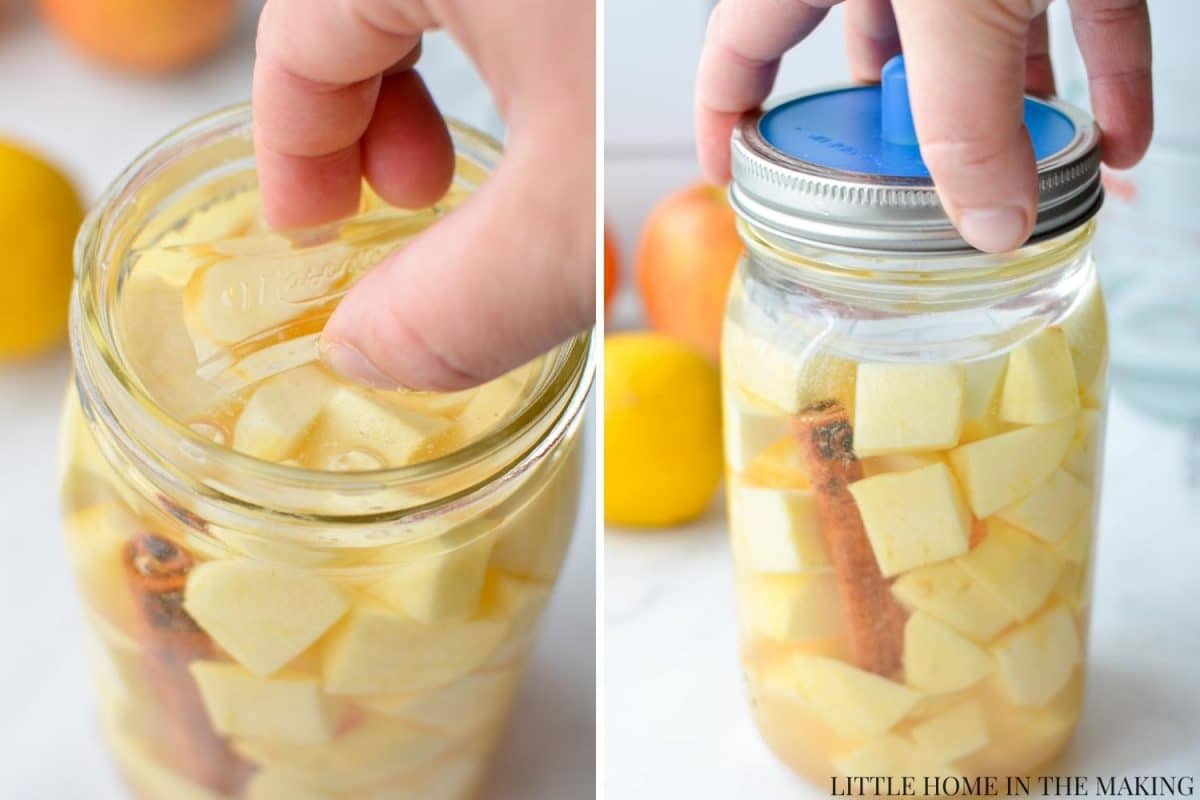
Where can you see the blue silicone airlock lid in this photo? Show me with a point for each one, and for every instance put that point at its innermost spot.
(869, 129)
(842, 167)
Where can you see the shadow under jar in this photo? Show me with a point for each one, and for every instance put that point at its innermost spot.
(298, 588)
(913, 435)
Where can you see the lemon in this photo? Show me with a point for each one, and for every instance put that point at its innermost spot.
(39, 215)
(662, 431)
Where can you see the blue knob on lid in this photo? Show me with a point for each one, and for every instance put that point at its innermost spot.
(896, 112)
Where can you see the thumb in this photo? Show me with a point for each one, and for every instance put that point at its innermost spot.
(966, 72)
(502, 279)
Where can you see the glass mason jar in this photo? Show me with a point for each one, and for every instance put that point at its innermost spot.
(297, 588)
(913, 443)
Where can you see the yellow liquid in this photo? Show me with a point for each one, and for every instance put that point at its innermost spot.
(984, 674)
(240, 666)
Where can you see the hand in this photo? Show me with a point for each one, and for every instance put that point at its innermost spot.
(968, 65)
(511, 272)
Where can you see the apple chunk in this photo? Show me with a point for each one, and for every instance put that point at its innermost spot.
(280, 413)
(907, 407)
(851, 701)
(983, 381)
(286, 708)
(913, 518)
(1036, 660)
(444, 586)
(381, 651)
(264, 615)
(358, 419)
(1000, 470)
(939, 659)
(1040, 384)
(954, 733)
(949, 593)
(1018, 570)
(1052, 509)
(796, 607)
(778, 528)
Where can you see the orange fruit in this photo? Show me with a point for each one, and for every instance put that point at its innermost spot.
(150, 36)
(685, 261)
(612, 267)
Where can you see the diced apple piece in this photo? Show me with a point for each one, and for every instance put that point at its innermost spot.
(913, 518)
(271, 784)
(381, 651)
(939, 659)
(288, 708)
(356, 419)
(461, 707)
(851, 701)
(1073, 588)
(280, 412)
(1014, 567)
(947, 592)
(1000, 470)
(779, 466)
(907, 407)
(1083, 454)
(1039, 386)
(376, 749)
(750, 428)
(489, 406)
(787, 380)
(159, 350)
(1052, 509)
(513, 599)
(900, 462)
(976, 429)
(891, 756)
(1076, 545)
(148, 777)
(952, 734)
(796, 607)
(441, 587)
(983, 379)
(264, 615)
(778, 528)
(1036, 660)
(1087, 336)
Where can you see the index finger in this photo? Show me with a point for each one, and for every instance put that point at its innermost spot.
(742, 49)
(317, 79)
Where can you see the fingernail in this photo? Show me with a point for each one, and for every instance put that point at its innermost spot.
(350, 362)
(993, 230)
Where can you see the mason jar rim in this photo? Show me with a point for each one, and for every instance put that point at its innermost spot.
(93, 346)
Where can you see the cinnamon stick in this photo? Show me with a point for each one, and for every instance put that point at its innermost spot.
(875, 620)
(157, 571)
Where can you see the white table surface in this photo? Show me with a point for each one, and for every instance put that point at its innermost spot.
(94, 123)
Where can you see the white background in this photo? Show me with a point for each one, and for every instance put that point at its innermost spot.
(676, 721)
(94, 123)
